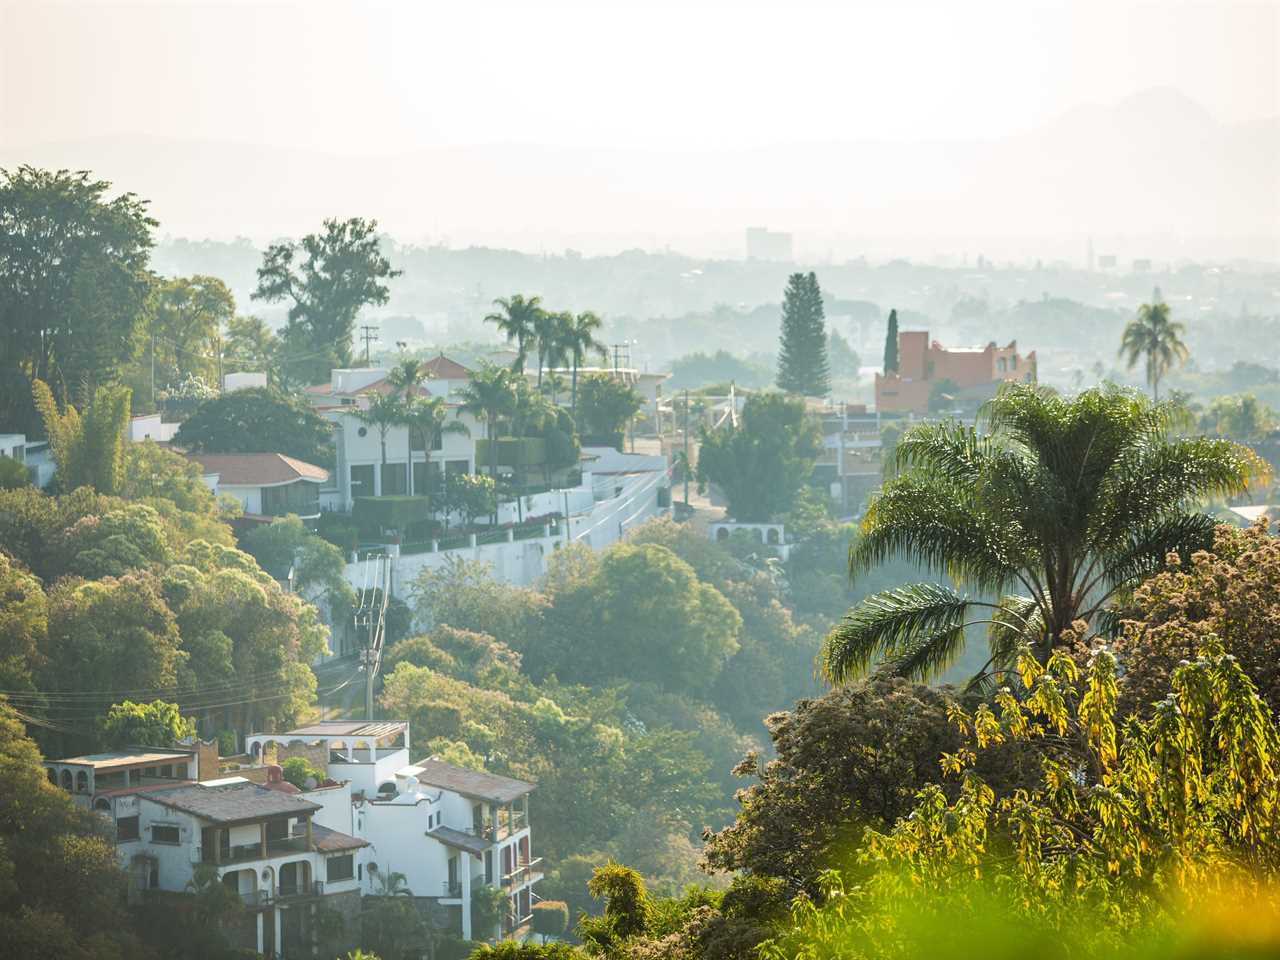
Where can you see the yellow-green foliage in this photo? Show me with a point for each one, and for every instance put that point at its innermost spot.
(88, 449)
(1129, 833)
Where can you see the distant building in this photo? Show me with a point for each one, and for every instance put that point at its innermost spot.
(150, 426)
(766, 244)
(1142, 266)
(1106, 261)
(243, 381)
(974, 372)
(266, 484)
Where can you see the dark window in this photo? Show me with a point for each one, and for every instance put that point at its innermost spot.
(161, 834)
(127, 828)
(362, 480)
(340, 868)
(455, 466)
(167, 772)
(393, 479)
(277, 830)
(153, 875)
(420, 485)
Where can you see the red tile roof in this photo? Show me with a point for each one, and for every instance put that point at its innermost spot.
(258, 469)
(442, 368)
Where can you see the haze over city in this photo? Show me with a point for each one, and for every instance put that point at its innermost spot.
(1017, 130)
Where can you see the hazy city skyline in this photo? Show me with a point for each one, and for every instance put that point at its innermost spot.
(608, 126)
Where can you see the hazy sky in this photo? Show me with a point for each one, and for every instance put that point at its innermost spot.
(374, 78)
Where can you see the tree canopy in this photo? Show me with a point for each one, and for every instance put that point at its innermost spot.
(761, 464)
(258, 420)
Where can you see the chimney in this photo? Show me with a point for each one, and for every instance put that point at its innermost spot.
(275, 773)
(208, 762)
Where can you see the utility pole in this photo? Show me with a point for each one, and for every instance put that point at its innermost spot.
(369, 656)
(221, 380)
(153, 363)
(368, 334)
(686, 447)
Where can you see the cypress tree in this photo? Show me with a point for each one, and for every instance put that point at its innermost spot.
(802, 354)
(891, 345)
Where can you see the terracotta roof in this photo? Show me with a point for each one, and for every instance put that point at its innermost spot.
(470, 783)
(258, 469)
(331, 841)
(468, 842)
(232, 802)
(442, 368)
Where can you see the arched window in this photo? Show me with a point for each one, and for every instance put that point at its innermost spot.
(66, 780)
(773, 536)
(722, 533)
(53, 776)
(102, 805)
(82, 782)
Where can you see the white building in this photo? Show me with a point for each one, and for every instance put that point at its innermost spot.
(449, 830)
(150, 426)
(360, 470)
(33, 453)
(261, 841)
(266, 484)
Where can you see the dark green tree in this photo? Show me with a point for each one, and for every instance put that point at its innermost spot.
(326, 278)
(802, 347)
(258, 420)
(1053, 505)
(155, 724)
(762, 462)
(891, 345)
(606, 405)
(74, 284)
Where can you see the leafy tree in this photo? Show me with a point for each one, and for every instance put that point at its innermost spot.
(299, 770)
(626, 907)
(891, 344)
(251, 345)
(154, 724)
(607, 405)
(286, 542)
(326, 278)
(802, 345)
(470, 494)
(517, 318)
(511, 950)
(843, 358)
(761, 464)
(1069, 500)
(13, 474)
(489, 906)
(490, 396)
(463, 594)
(699, 369)
(1155, 339)
(73, 284)
(120, 539)
(1241, 417)
(118, 631)
(61, 891)
(187, 317)
(88, 449)
(656, 621)
(550, 918)
(1151, 822)
(1231, 591)
(427, 418)
(152, 472)
(848, 761)
(258, 420)
(24, 623)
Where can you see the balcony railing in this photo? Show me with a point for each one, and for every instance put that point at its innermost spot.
(302, 889)
(241, 852)
(256, 899)
(526, 872)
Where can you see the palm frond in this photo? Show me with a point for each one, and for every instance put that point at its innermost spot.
(1144, 548)
(890, 624)
(1016, 622)
(924, 657)
(948, 449)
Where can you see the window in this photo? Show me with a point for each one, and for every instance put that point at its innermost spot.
(393, 479)
(455, 466)
(163, 834)
(127, 828)
(153, 875)
(340, 868)
(362, 480)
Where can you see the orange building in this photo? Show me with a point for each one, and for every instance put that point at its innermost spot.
(975, 371)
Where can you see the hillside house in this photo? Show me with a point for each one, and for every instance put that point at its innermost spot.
(973, 372)
(267, 485)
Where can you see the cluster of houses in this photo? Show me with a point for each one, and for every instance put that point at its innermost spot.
(301, 860)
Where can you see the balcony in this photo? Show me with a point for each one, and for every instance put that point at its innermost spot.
(529, 871)
(239, 853)
(314, 888)
(452, 889)
(256, 899)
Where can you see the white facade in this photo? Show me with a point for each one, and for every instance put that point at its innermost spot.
(149, 426)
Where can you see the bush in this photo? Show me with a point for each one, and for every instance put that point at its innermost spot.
(550, 918)
(300, 770)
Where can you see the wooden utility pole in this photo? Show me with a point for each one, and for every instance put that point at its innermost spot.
(368, 334)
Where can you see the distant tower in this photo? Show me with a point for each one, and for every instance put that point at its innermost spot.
(1090, 255)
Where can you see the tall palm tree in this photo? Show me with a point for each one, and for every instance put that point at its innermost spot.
(428, 420)
(579, 339)
(1152, 336)
(404, 379)
(517, 319)
(490, 395)
(1063, 502)
(553, 386)
(548, 337)
(384, 412)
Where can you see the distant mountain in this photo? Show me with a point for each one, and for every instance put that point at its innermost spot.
(1153, 174)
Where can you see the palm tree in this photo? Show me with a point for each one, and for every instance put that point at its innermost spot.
(490, 395)
(549, 334)
(579, 339)
(518, 321)
(553, 386)
(1065, 501)
(1153, 337)
(427, 419)
(384, 412)
(404, 379)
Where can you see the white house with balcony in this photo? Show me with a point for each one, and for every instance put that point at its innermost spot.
(261, 841)
(449, 830)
